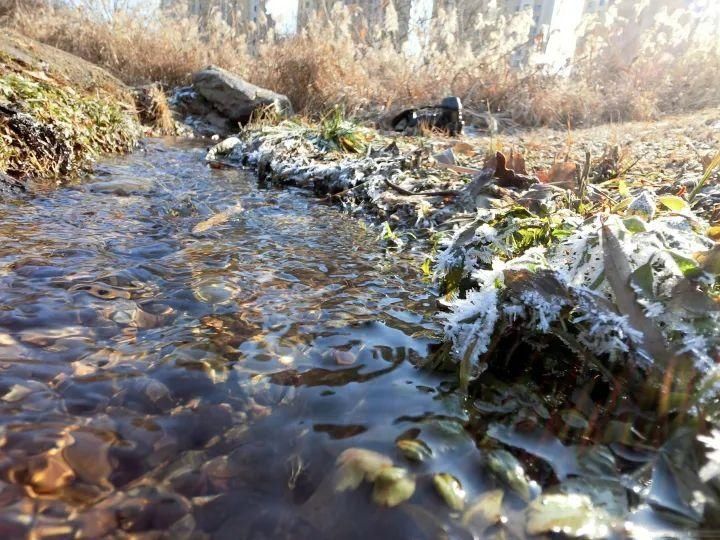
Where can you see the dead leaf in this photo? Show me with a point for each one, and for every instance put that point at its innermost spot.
(709, 261)
(217, 219)
(516, 162)
(560, 174)
(464, 149)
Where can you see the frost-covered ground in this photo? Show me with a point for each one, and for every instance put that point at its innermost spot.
(594, 259)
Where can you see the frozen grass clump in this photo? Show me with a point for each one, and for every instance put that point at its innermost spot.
(49, 130)
(612, 288)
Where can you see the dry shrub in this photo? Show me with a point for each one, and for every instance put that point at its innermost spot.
(634, 63)
(153, 109)
(167, 48)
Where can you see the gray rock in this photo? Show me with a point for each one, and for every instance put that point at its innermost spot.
(222, 149)
(234, 97)
(10, 185)
(188, 102)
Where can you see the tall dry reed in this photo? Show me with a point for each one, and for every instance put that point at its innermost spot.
(624, 70)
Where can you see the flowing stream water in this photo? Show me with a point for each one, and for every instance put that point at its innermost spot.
(164, 374)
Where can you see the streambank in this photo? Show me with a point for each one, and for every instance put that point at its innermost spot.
(580, 298)
(485, 216)
(58, 113)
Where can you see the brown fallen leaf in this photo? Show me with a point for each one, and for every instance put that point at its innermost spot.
(508, 177)
(217, 219)
(516, 162)
(560, 174)
(464, 149)
(709, 261)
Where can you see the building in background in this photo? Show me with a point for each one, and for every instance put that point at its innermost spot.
(237, 13)
(367, 14)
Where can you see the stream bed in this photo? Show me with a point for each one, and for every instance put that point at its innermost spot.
(167, 375)
(186, 354)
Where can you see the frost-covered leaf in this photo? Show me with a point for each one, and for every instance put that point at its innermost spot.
(618, 274)
(712, 468)
(687, 266)
(643, 206)
(635, 224)
(642, 279)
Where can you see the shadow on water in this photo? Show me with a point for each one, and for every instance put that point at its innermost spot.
(202, 384)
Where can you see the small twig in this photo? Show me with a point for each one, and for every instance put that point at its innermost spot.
(714, 164)
(583, 179)
(628, 168)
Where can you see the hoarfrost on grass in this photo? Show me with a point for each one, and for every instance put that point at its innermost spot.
(712, 468)
(472, 322)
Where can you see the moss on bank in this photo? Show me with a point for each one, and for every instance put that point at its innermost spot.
(51, 128)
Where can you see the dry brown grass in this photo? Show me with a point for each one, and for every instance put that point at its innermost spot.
(139, 51)
(153, 109)
(330, 65)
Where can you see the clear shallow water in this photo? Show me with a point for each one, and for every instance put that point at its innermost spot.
(180, 384)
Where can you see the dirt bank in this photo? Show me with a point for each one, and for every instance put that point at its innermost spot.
(57, 112)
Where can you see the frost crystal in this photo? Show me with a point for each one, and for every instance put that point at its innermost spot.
(545, 310)
(471, 323)
(712, 468)
(606, 332)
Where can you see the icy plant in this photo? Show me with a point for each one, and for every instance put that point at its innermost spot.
(565, 287)
(712, 468)
(471, 324)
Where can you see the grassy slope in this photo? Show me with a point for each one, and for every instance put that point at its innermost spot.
(57, 112)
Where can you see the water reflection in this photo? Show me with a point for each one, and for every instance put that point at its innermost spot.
(200, 381)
